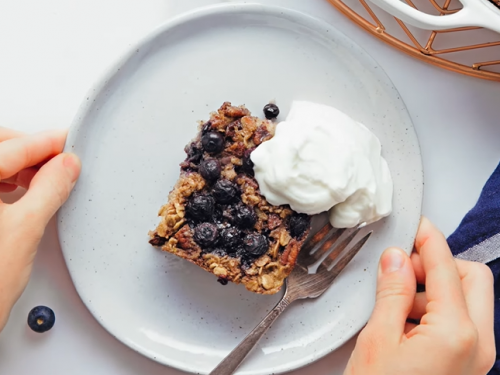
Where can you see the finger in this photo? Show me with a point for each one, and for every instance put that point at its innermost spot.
(419, 306)
(478, 284)
(7, 188)
(6, 133)
(442, 282)
(23, 178)
(409, 327)
(418, 268)
(395, 294)
(49, 189)
(17, 154)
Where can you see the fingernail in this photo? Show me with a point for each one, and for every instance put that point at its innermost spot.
(72, 164)
(392, 260)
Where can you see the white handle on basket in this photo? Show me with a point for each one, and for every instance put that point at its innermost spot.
(474, 13)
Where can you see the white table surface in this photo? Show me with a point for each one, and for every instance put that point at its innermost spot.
(51, 52)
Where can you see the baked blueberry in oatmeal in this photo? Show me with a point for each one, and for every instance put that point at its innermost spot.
(216, 216)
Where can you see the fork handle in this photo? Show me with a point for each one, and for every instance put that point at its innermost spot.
(229, 365)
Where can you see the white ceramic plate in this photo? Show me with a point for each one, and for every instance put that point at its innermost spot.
(130, 134)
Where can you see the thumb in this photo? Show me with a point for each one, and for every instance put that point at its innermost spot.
(396, 288)
(50, 188)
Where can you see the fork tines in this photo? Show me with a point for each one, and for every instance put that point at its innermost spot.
(323, 247)
(346, 258)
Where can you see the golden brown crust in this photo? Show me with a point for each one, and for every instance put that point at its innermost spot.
(174, 234)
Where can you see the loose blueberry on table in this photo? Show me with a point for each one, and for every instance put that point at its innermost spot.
(216, 216)
(41, 319)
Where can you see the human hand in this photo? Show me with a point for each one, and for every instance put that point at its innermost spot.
(455, 335)
(33, 162)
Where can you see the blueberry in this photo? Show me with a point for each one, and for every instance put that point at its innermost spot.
(217, 216)
(219, 252)
(213, 142)
(224, 191)
(255, 244)
(246, 260)
(222, 280)
(299, 223)
(210, 169)
(244, 216)
(41, 319)
(205, 234)
(228, 214)
(194, 153)
(230, 238)
(201, 207)
(271, 111)
(247, 162)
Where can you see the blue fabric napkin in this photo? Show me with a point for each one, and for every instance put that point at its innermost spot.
(477, 236)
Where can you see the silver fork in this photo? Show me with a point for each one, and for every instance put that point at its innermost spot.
(321, 249)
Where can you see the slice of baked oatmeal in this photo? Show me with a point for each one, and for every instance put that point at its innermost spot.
(216, 217)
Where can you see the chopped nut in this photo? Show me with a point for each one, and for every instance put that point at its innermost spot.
(231, 130)
(228, 172)
(225, 160)
(261, 215)
(285, 212)
(250, 197)
(291, 252)
(261, 135)
(232, 111)
(237, 149)
(273, 221)
(236, 161)
(249, 127)
(245, 181)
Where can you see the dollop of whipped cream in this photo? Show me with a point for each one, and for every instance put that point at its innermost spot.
(321, 160)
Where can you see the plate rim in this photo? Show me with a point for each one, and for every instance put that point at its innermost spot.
(105, 78)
